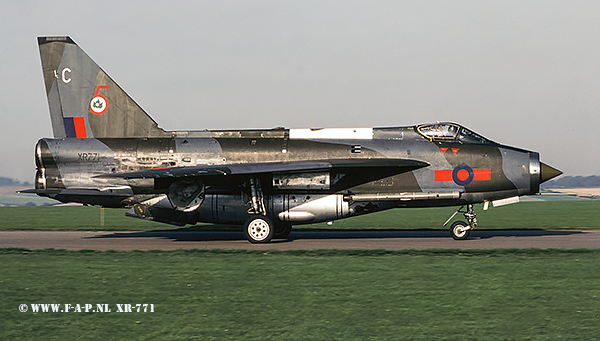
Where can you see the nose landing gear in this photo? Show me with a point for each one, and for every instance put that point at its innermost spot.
(459, 230)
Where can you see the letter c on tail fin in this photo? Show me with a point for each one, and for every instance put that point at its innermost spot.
(84, 101)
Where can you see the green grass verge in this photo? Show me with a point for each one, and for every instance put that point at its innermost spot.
(548, 214)
(72, 218)
(300, 295)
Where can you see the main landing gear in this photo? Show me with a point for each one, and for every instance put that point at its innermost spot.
(459, 230)
(282, 230)
(260, 228)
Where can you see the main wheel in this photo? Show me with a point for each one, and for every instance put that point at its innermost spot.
(259, 230)
(460, 230)
(282, 230)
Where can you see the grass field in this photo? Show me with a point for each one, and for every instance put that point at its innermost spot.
(299, 295)
(304, 295)
(547, 214)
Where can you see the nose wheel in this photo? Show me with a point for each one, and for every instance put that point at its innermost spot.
(459, 230)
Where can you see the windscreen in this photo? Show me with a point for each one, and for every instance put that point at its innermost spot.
(451, 131)
(444, 131)
(468, 136)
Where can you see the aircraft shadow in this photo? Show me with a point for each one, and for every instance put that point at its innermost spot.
(212, 235)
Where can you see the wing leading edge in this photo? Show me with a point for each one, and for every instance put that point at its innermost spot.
(402, 165)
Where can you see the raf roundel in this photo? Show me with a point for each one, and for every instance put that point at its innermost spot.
(463, 175)
(98, 104)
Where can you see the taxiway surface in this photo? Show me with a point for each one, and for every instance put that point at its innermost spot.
(300, 240)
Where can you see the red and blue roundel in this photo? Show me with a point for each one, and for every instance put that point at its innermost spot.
(462, 175)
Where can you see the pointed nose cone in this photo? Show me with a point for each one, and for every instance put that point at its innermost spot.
(547, 172)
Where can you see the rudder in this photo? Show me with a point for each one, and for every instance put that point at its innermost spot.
(84, 101)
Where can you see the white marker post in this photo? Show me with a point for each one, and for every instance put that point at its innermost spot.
(102, 216)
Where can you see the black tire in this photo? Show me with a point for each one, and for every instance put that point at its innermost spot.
(259, 230)
(459, 230)
(282, 230)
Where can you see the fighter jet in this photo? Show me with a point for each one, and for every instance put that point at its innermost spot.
(108, 151)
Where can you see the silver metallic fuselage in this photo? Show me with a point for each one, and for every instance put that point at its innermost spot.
(71, 169)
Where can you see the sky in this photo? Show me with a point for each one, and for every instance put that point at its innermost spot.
(522, 73)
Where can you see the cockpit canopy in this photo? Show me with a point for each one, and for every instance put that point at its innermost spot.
(451, 132)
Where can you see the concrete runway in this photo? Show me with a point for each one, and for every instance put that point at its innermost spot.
(300, 240)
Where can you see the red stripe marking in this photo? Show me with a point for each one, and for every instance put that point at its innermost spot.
(478, 175)
(79, 123)
(443, 175)
(482, 174)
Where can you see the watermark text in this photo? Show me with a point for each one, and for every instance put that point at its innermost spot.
(87, 308)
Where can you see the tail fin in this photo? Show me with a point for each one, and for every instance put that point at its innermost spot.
(84, 101)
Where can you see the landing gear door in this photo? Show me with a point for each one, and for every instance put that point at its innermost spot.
(302, 181)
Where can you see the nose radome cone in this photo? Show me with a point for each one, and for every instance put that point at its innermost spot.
(547, 172)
